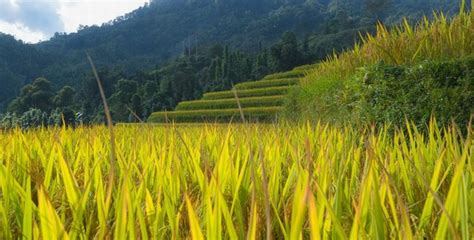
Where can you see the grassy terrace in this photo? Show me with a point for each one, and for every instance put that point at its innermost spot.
(253, 114)
(277, 100)
(290, 74)
(325, 92)
(267, 83)
(270, 91)
(305, 67)
(260, 101)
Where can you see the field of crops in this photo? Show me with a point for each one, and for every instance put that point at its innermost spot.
(231, 103)
(255, 101)
(253, 114)
(291, 74)
(325, 91)
(267, 83)
(236, 182)
(269, 91)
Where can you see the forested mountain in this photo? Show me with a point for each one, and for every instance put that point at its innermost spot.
(19, 63)
(153, 36)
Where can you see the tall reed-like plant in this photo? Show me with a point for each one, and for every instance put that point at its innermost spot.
(237, 182)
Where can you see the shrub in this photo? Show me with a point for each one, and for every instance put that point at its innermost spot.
(232, 103)
(252, 114)
(33, 118)
(267, 83)
(9, 120)
(270, 91)
(443, 89)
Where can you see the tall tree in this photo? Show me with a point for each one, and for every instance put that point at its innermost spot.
(38, 94)
(65, 97)
(286, 54)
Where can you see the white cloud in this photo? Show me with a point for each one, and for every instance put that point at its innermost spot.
(22, 32)
(90, 12)
(35, 20)
(36, 15)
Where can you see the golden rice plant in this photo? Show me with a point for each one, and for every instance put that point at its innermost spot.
(438, 39)
(237, 182)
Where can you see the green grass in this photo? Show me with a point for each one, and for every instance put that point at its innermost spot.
(270, 91)
(267, 83)
(256, 113)
(290, 74)
(305, 67)
(324, 90)
(231, 103)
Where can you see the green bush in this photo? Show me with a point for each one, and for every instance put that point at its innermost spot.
(232, 103)
(388, 93)
(267, 83)
(270, 91)
(290, 74)
(218, 115)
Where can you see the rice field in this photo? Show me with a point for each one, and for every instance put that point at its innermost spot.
(325, 91)
(237, 182)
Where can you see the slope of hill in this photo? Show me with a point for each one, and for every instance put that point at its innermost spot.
(409, 72)
(253, 101)
(19, 63)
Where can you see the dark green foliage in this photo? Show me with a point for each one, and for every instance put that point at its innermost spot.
(444, 90)
(137, 108)
(270, 91)
(219, 115)
(9, 120)
(65, 97)
(232, 103)
(88, 96)
(19, 64)
(121, 99)
(376, 7)
(38, 94)
(33, 117)
(286, 54)
(36, 118)
(37, 105)
(322, 45)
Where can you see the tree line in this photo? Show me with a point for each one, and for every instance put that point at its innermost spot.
(133, 97)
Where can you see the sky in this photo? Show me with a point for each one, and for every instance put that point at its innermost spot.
(37, 20)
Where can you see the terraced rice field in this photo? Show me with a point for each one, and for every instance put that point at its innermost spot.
(260, 101)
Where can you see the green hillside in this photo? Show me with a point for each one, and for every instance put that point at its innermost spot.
(413, 71)
(259, 100)
(155, 35)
